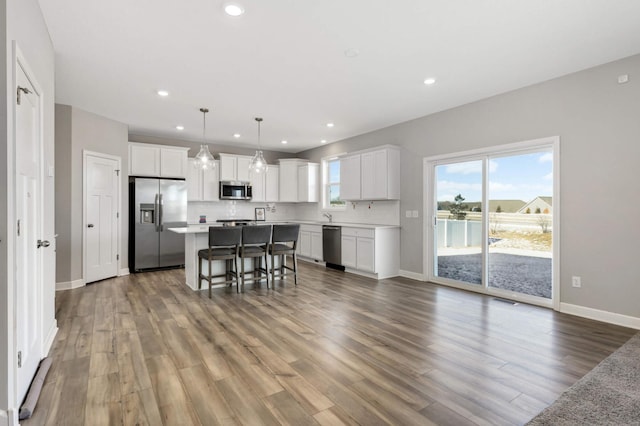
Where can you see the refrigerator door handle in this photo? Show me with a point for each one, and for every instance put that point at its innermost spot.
(156, 208)
(161, 220)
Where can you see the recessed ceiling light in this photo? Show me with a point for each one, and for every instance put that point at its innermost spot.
(283, 142)
(179, 127)
(429, 81)
(323, 141)
(163, 93)
(329, 124)
(236, 135)
(233, 9)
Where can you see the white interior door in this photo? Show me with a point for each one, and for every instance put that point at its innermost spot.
(29, 248)
(101, 214)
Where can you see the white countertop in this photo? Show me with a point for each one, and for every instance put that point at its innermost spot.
(204, 227)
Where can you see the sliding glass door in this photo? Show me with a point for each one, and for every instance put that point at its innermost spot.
(492, 227)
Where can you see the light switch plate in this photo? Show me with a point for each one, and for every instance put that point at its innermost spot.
(414, 213)
(408, 213)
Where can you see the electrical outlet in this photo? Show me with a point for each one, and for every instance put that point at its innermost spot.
(576, 282)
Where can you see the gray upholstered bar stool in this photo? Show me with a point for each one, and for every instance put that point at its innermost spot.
(224, 244)
(284, 242)
(254, 245)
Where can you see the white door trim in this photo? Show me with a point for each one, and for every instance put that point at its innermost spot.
(85, 154)
(429, 219)
(19, 62)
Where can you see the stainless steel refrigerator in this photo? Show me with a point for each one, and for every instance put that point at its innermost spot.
(154, 206)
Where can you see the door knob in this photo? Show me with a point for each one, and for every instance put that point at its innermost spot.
(90, 225)
(42, 243)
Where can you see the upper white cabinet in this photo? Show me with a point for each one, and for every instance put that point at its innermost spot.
(371, 175)
(265, 185)
(350, 177)
(202, 185)
(234, 167)
(157, 160)
(299, 181)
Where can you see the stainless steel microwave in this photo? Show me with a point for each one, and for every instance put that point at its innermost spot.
(235, 190)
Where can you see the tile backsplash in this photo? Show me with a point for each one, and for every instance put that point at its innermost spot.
(374, 212)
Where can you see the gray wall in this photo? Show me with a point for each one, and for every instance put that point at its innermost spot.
(22, 21)
(597, 121)
(76, 131)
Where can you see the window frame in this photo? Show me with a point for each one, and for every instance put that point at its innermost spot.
(326, 185)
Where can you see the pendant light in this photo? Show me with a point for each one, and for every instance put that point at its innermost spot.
(257, 164)
(204, 159)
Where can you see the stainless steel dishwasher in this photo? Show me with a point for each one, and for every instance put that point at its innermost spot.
(332, 245)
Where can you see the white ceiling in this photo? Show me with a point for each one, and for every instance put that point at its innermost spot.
(284, 60)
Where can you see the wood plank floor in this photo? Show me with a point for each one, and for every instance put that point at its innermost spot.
(337, 349)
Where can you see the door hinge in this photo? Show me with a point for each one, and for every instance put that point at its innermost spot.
(117, 215)
(117, 172)
(117, 257)
(22, 90)
(18, 227)
(19, 359)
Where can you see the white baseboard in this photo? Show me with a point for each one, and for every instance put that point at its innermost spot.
(412, 275)
(9, 418)
(598, 315)
(70, 285)
(123, 272)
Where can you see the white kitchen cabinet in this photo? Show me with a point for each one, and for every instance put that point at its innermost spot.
(299, 181)
(316, 246)
(365, 254)
(304, 243)
(350, 177)
(271, 184)
(371, 175)
(265, 186)
(349, 259)
(157, 160)
(310, 242)
(308, 187)
(202, 185)
(234, 167)
(374, 252)
(380, 172)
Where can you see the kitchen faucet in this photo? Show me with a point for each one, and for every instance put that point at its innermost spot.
(328, 216)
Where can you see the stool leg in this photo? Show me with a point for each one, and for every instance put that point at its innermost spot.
(210, 279)
(199, 273)
(273, 269)
(266, 268)
(295, 268)
(235, 262)
(242, 268)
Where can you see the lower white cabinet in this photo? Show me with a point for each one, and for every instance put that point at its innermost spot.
(371, 250)
(310, 242)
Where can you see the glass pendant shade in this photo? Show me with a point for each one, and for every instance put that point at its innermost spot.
(204, 159)
(258, 165)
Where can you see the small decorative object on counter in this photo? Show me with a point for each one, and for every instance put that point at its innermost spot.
(260, 215)
(203, 219)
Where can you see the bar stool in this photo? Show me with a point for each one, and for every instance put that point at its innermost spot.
(284, 242)
(224, 244)
(254, 245)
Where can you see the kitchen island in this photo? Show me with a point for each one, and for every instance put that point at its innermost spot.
(367, 249)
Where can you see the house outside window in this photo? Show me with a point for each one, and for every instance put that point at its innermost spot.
(331, 180)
